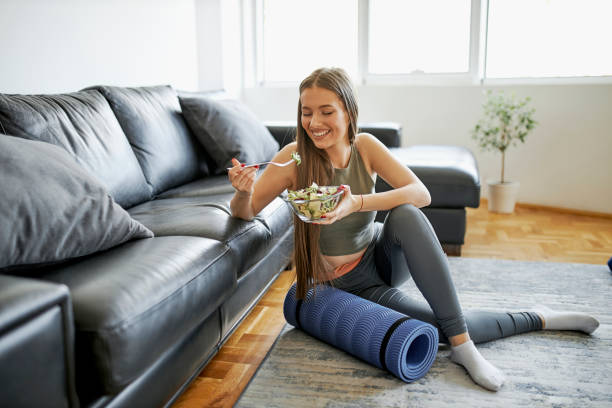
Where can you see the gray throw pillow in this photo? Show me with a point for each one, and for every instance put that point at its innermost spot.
(227, 129)
(52, 209)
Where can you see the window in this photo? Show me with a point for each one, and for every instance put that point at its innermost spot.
(413, 36)
(431, 41)
(549, 38)
(300, 36)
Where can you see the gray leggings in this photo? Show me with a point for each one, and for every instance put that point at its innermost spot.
(406, 246)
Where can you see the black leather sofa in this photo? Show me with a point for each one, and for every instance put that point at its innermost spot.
(132, 325)
(449, 172)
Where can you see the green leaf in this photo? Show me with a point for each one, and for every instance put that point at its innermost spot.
(506, 120)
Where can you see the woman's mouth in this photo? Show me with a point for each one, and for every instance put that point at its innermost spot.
(320, 133)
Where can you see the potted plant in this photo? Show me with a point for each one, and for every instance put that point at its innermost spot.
(506, 121)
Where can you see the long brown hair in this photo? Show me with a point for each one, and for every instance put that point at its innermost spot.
(316, 167)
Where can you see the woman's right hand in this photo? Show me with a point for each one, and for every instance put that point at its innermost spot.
(242, 179)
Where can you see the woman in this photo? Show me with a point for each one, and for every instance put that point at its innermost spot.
(349, 251)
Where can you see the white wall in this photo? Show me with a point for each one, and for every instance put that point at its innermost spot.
(219, 45)
(49, 46)
(208, 31)
(566, 161)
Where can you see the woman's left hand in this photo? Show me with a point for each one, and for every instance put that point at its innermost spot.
(348, 204)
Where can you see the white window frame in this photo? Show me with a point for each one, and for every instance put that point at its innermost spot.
(484, 80)
(472, 76)
(476, 75)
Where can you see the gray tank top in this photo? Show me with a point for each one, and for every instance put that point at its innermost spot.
(355, 232)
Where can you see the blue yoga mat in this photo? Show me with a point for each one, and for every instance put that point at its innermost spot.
(376, 334)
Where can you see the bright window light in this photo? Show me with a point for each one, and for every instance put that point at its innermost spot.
(300, 36)
(549, 38)
(417, 36)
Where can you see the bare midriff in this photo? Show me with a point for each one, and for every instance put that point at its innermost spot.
(337, 266)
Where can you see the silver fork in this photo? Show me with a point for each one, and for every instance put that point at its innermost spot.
(269, 162)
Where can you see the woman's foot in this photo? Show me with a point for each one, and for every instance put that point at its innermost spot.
(554, 320)
(481, 371)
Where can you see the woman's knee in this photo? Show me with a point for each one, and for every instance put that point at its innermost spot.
(406, 220)
(405, 216)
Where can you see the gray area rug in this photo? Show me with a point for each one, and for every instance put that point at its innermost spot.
(546, 368)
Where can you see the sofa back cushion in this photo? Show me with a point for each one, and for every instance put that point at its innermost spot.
(84, 125)
(52, 209)
(152, 121)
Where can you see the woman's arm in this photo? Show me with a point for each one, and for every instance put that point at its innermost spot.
(407, 188)
(253, 194)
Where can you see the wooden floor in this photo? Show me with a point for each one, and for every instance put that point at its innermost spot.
(528, 234)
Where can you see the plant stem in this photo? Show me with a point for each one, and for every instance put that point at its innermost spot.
(503, 154)
(503, 165)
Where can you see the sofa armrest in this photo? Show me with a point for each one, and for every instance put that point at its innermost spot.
(390, 133)
(36, 344)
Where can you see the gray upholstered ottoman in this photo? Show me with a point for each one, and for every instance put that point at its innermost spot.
(449, 172)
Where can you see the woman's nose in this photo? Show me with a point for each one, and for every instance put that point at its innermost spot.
(315, 119)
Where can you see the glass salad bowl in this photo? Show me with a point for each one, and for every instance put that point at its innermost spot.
(310, 203)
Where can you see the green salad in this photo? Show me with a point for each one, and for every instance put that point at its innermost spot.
(296, 157)
(320, 200)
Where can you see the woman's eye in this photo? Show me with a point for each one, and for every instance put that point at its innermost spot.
(306, 114)
(327, 113)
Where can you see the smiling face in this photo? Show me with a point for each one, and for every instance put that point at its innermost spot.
(324, 117)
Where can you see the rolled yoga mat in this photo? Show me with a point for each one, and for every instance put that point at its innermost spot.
(376, 334)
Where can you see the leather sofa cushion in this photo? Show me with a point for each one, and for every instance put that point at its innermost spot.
(210, 217)
(449, 172)
(85, 126)
(134, 302)
(52, 209)
(152, 121)
(202, 187)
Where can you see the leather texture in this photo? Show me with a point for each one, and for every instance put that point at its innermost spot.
(150, 313)
(253, 283)
(449, 224)
(449, 172)
(151, 119)
(183, 360)
(134, 302)
(186, 358)
(210, 217)
(211, 185)
(84, 125)
(389, 133)
(36, 344)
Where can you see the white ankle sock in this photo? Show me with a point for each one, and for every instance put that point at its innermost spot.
(556, 320)
(481, 371)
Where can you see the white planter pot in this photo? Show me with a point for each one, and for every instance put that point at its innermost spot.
(502, 197)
